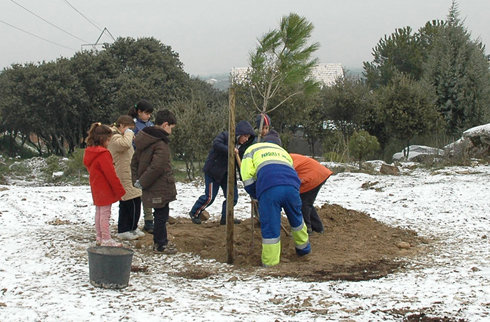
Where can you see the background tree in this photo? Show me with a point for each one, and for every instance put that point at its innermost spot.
(57, 101)
(458, 70)
(198, 120)
(400, 52)
(407, 108)
(362, 144)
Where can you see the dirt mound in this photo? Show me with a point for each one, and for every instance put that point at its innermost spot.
(353, 247)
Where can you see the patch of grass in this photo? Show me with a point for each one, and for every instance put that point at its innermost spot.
(180, 170)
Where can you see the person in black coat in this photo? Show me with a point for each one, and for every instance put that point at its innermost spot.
(216, 170)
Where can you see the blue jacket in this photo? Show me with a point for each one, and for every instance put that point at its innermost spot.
(216, 165)
(140, 125)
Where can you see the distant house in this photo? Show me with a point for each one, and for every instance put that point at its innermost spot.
(327, 74)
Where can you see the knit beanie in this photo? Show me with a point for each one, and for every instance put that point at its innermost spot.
(267, 120)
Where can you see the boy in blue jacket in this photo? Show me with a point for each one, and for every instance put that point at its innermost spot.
(216, 171)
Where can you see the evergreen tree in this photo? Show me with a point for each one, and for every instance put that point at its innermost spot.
(281, 66)
(407, 109)
(458, 70)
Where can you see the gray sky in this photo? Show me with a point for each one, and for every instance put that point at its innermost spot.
(215, 35)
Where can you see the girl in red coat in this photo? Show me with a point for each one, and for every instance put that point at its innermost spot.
(104, 183)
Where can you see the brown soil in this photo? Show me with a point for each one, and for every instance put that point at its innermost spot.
(353, 247)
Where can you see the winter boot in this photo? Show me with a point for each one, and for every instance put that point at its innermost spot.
(195, 219)
(148, 226)
(168, 249)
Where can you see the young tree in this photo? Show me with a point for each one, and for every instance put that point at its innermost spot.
(362, 144)
(280, 68)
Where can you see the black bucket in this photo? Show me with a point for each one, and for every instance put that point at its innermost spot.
(109, 267)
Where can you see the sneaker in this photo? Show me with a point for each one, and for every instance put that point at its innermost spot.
(148, 226)
(138, 232)
(127, 235)
(164, 249)
(110, 243)
(195, 219)
(235, 221)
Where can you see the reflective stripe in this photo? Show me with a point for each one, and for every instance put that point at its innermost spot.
(302, 246)
(300, 237)
(262, 164)
(248, 155)
(271, 240)
(248, 182)
(300, 227)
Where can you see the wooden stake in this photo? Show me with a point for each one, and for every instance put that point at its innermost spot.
(231, 177)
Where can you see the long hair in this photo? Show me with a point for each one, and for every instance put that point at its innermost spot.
(98, 134)
(143, 106)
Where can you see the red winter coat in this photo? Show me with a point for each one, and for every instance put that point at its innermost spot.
(310, 172)
(104, 183)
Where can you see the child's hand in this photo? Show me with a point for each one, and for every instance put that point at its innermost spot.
(137, 184)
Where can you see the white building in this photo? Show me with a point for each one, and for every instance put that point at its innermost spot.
(327, 74)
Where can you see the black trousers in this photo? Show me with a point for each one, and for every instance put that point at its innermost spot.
(160, 218)
(129, 214)
(312, 220)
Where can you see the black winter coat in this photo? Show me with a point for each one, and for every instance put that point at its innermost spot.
(216, 165)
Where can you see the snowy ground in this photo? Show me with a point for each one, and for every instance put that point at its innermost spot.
(46, 231)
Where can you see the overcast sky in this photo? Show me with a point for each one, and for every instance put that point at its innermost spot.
(212, 36)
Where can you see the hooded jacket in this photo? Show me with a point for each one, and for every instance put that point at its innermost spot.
(216, 165)
(121, 148)
(105, 185)
(151, 165)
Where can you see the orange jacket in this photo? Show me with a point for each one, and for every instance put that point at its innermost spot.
(310, 172)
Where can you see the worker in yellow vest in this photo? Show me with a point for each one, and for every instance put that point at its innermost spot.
(268, 175)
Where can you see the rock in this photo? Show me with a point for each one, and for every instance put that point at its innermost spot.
(389, 169)
(403, 245)
(418, 152)
(475, 142)
(204, 215)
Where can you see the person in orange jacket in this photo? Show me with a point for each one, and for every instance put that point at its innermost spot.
(312, 175)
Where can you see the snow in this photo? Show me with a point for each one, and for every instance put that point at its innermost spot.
(46, 232)
(416, 150)
(478, 130)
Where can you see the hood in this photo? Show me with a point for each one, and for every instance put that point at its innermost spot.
(243, 127)
(148, 136)
(115, 130)
(91, 153)
(272, 137)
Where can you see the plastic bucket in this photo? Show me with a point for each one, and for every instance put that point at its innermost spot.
(109, 267)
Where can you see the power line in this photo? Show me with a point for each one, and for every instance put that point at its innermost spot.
(34, 35)
(81, 14)
(59, 28)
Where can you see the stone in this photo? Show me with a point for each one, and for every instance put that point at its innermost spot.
(389, 170)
